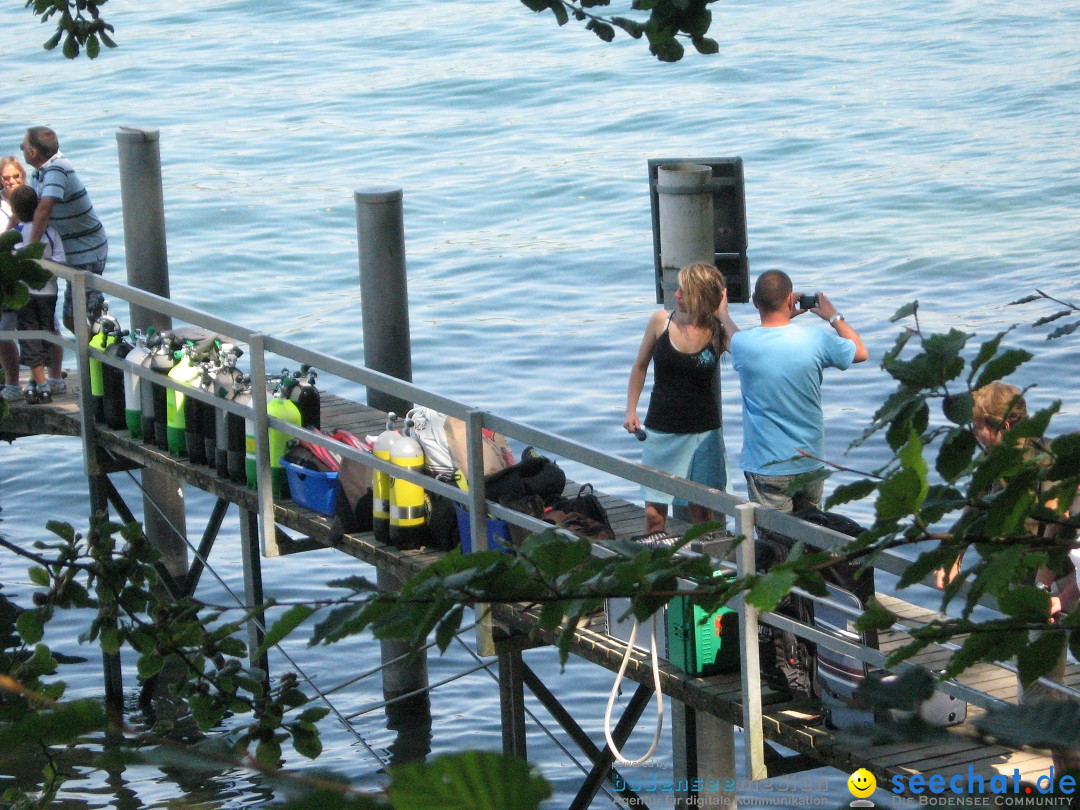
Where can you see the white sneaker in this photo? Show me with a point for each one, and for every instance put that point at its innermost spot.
(56, 386)
(11, 393)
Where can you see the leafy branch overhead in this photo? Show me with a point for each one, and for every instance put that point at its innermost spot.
(82, 29)
(79, 25)
(668, 21)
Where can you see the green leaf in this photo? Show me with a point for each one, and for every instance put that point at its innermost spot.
(601, 29)
(956, 454)
(905, 311)
(771, 587)
(109, 640)
(474, 780)
(875, 617)
(1040, 657)
(448, 627)
(846, 493)
(149, 665)
(92, 46)
(71, 47)
(306, 743)
(559, 9)
(1003, 365)
(53, 726)
(31, 626)
(39, 576)
(268, 754)
(289, 621)
(705, 45)
(958, 409)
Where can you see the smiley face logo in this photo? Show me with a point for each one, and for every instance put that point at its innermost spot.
(861, 783)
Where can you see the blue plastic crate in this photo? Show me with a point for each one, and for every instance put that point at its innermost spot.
(498, 532)
(316, 490)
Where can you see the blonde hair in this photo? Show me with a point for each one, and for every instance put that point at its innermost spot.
(702, 287)
(11, 160)
(999, 405)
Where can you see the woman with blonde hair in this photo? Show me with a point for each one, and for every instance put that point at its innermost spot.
(12, 175)
(685, 437)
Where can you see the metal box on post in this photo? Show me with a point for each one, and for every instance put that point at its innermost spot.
(729, 222)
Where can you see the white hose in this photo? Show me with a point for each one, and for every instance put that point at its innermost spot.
(615, 690)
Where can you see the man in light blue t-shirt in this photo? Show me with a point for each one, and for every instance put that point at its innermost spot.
(780, 369)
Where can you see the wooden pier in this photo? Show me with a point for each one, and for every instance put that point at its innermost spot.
(797, 726)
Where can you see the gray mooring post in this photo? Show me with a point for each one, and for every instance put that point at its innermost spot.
(384, 305)
(403, 672)
(384, 292)
(143, 202)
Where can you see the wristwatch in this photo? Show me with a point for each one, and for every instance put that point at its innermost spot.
(1042, 586)
(835, 318)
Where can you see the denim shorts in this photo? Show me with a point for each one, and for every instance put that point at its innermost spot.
(697, 457)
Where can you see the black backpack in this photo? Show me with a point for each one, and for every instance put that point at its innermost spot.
(788, 660)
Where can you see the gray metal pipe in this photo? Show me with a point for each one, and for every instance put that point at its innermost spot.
(384, 293)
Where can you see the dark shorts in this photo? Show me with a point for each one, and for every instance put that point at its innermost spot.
(38, 315)
(94, 298)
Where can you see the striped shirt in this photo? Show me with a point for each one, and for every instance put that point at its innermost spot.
(72, 214)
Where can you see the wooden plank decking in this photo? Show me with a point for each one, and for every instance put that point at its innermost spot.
(796, 726)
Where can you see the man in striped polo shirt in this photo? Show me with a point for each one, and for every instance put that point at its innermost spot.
(65, 204)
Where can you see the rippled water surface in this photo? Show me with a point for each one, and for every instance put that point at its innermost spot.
(891, 152)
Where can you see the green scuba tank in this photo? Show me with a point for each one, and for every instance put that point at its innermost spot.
(188, 373)
(280, 407)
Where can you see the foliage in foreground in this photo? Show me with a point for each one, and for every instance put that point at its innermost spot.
(82, 29)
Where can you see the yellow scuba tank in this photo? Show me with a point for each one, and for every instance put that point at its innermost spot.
(280, 407)
(408, 506)
(380, 483)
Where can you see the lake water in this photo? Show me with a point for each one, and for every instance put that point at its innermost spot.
(891, 153)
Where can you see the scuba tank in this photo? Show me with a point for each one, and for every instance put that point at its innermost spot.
(186, 372)
(156, 397)
(112, 380)
(137, 355)
(226, 382)
(107, 330)
(408, 505)
(303, 393)
(380, 483)
(208, 416)
(280, 407)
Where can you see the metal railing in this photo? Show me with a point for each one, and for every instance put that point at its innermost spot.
(748, 516)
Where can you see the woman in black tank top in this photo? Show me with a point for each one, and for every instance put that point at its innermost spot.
(684, 347)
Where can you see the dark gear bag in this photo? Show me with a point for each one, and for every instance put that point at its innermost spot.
(534, 475)
(579, 524)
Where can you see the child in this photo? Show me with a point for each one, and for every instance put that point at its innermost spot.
(39, 314)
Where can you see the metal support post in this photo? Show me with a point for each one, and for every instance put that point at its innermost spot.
(384, 291)
(702, 748)
(474, 441)
(754, 748)
(253, 586)
(512, 699)
(264, 484)
(143, 202)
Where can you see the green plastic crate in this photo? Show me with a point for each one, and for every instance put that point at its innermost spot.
(700, 648)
